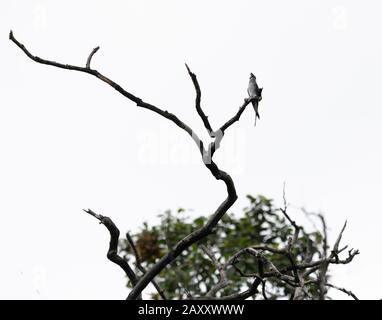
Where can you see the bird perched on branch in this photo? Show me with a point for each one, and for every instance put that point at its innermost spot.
(254, 93)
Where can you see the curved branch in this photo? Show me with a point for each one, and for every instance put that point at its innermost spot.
(194, 236)
(91, 56)
(128, 95)
(112, 253)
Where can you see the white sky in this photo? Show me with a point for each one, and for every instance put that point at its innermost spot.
(68, 141)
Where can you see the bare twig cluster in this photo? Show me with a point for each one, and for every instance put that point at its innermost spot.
(299, 276)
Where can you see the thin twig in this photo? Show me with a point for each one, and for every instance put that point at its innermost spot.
(223, 281)
(293, 223)
(348, 292)
(90, 57)
(141, 267)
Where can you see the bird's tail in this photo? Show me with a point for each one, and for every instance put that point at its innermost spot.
(255, 107)
(257, 116)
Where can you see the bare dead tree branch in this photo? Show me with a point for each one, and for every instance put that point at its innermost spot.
(322, 278)
(128, 95)
(245, 294)
(112, 253)
(236, 296)
(301, 270)
(237, 116)
(348, 292)
(91, 56)
(192, 237)
(293, 223)
(337, 243)
(324, 234)
(223, 281)
(215, 171)
(288, 249)
(197, 102)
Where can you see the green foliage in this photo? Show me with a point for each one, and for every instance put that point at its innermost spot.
(193, 273)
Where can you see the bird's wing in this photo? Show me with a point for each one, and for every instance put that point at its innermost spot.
(251, 91)
(252, 88)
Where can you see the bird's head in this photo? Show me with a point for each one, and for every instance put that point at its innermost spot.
(252, 76)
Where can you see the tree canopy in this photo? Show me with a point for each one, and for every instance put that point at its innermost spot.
(261, 226)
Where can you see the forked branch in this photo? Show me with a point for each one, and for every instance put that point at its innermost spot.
(198, 234)
(128, 95)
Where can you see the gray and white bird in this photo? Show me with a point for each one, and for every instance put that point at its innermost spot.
(254, 91)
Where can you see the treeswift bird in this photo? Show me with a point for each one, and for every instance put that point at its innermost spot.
(254, 91)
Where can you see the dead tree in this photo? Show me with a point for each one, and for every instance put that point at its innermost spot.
(300, 270)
